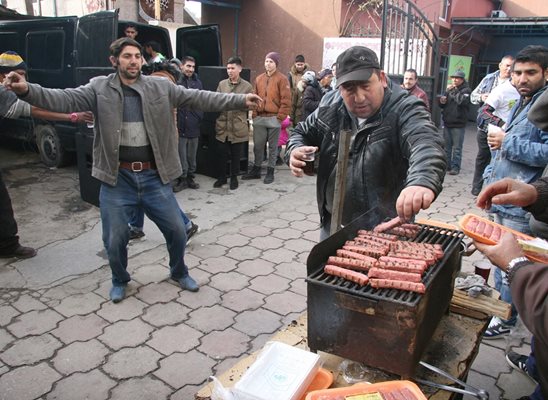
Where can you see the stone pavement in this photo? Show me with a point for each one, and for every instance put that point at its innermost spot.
(61, 338)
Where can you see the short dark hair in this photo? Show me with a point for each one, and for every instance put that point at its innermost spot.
(234, 60)
(131, 26)
(413, 71)
(188, 58)
(166, 66)
(299, 58)
(118, 45)
(153, 45)
(533, 53)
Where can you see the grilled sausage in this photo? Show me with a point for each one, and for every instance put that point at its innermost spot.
(351, 263)
(367, 250)
(401, 285)
(353, 254)
(386, 226)
(357, 277)
(394, 275)
(381, 235)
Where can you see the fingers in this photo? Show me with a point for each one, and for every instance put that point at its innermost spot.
(413, 199)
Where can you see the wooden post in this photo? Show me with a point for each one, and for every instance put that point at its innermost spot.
(340, 180)
(157, 10)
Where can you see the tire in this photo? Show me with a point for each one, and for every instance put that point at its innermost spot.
(49, 145)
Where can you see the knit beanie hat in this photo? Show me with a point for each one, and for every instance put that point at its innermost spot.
(274, 57)
(10, 61)
(309, 77)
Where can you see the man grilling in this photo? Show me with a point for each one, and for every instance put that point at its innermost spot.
(396, 155)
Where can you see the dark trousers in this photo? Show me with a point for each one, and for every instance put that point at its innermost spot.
(9, 241)
(482, 160)
(228, 149)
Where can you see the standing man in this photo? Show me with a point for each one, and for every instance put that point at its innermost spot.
(188, 124)
(520, 152)
(455, 104)
(153, 49)
(478, 96)
(294, 76)
(410, 83)
(396, 158)
(134, 151)
(273, 87)
(131, 31)
(232, 127)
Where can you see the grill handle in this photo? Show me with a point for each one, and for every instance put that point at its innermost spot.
(469, 249)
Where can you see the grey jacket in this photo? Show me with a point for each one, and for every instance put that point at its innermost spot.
(104, 97)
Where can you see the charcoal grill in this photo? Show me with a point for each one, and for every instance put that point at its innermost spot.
(383, 328)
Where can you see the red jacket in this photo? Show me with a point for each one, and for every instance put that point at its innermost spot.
(276, 95)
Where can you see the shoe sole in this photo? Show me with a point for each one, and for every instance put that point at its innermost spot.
(511, 364)
(501, 336)
(188, 290)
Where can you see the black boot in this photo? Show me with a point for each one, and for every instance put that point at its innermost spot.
(233, 182)
(269, 178)
(255, 173)
(180, 184)
(190, 182)
(219, 182)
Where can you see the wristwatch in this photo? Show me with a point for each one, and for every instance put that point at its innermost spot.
(516, 264)
(74, 118)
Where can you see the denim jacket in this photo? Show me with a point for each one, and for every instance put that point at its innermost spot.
(522, 156)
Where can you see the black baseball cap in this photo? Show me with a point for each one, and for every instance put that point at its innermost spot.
(356, 64)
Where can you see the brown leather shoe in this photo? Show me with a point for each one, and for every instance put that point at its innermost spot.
(20, 252)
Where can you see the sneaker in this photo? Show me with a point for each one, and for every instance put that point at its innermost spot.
(187, 283)
(20, 252)
(135, 233)
(496, 329)
(191, 231)
(117, 293)
(519, 363)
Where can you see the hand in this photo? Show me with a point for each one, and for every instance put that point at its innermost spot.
(495, 138)
(252, 101)
(443, 99)
(450, 87)
(503, 252)
(16, 82)
(484, 97)
(85, 117)
(296, 163)
(507, 191)
(412, 199)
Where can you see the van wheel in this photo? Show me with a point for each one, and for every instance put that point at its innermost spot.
(49, 146)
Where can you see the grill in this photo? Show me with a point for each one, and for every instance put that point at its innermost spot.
(383, 328)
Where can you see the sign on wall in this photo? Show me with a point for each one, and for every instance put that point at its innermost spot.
(459, 63)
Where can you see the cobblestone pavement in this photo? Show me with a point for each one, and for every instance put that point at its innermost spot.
(61, 338)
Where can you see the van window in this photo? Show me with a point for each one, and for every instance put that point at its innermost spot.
(9, 41)
(45, 50)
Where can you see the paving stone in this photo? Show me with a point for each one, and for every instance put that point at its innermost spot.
(305, 225)
(256, 322)
(313, 236)
(286, 233)
(165, 314)
(515, 385)
(93, 385)
(7, 313)
(275, 223)
(80, 357)
(207, 319)
(299, 245)
(233, 240)
(292, 318)
(207, 296)
(279, 255)
(5, 339)
(161, 292)
(171, 339)
(178, 369)
(228, 363)
(211, 250)
(245, 299)
(215, 265)
(80, 328)
(244, 253)
(226, 281)
(28, 303)
(186, 392)
(28, 383)
(132, 362)
(299, 286)
(222, 344)
(141, 389)
(30, 350)
(285, 303)
(485, 382)
(259, 341)
(254, 231)
(80, 304)
(34, 323)
(256, 267)
(149, 274)
(292, 216)
(200, 275)
(126, 334)
(128, 309)
(291, 270)
(269, 284)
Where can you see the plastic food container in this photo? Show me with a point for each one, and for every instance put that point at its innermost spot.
(322, 380)
(377, 391)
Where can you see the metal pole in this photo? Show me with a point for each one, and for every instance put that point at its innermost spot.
(236, 30)
(383, 31)
(340, 180)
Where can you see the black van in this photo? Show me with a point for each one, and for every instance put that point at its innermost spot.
(64, 52)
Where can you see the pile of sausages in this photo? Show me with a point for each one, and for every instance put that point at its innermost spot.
(383, 261)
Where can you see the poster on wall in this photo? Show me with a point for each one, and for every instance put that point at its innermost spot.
(459, 63)
(146, 10)
(93, 6)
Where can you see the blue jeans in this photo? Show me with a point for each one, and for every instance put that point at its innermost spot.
(454, 138)
(119, 203)
(188, 149)
(501, 281)
(137, 221)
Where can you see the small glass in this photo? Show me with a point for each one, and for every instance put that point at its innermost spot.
(309, 158)
(482, 268)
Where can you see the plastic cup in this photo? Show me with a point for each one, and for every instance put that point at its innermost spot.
(483, 268)
(309, 158)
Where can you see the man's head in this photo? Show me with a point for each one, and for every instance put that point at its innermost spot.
(361, 81)
(188, 66)
(152, 47)
(233, 68)
(505, 66)
(126, 56)
(458, 78)
(271, 62)
(299, 63)
(11, 61)
(131, 31)
(325, 77)
(409, 79)
(334, 69)
(530, 70)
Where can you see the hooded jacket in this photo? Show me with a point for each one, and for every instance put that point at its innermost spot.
(399, 146)
(311, 98)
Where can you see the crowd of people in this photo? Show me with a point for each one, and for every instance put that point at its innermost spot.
(144, 151)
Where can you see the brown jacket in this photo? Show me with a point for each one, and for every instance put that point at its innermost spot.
(296, 95)
(232, 125)
(274, 90)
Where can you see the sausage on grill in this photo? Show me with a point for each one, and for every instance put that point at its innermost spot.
(394, 275)
(401, 285)
(353, 254)
(386, 226)
(351, 263)
(357, 277)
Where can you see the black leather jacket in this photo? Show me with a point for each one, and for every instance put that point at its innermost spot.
(398, 147)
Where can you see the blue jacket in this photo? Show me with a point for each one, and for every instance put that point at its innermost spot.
(522, 156)
(188, 119)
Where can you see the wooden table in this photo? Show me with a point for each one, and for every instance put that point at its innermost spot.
(453, 348)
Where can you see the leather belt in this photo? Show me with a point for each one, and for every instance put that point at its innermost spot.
(138, 166)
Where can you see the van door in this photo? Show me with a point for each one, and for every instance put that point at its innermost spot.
(94, 34)
(201, 42)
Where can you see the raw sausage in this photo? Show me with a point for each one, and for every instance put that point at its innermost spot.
(401, 285)
(386, 226)
(351, 263)
(353, 254)
(394, 275)
(357, 277)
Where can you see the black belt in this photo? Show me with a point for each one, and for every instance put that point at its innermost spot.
(138, 166)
